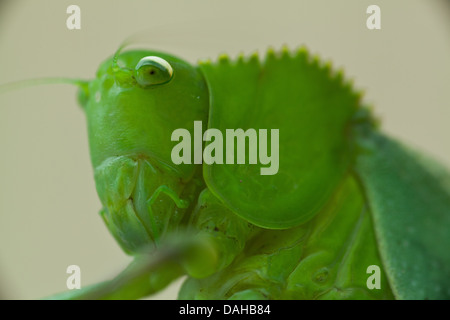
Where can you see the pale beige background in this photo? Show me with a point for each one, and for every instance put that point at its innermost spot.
(48, 203)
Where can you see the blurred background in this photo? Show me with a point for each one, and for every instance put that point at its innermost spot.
(48, 202)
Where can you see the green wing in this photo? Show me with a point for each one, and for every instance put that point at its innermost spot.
(409, 197)
(310, 107)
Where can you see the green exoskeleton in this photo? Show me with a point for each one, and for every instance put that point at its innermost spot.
(345, 197)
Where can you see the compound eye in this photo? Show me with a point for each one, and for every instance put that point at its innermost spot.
(153, 70)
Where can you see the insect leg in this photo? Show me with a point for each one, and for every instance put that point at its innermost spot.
(180, 203)
(146, 275)
(226, 232)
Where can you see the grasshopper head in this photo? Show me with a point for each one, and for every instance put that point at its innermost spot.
(136, 102)
(132, 107)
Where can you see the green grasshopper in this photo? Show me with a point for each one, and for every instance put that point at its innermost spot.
(346, 196)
